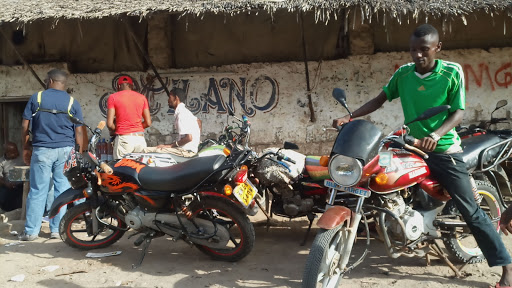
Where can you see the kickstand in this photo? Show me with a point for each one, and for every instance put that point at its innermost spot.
(437, 252)
(311, 217)
(146, 240)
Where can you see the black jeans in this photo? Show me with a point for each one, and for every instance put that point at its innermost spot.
(450, 171)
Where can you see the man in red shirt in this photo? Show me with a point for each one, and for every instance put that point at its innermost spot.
(129, 108)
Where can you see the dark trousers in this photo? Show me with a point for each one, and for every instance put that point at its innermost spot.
(11, 199)
(450, 171)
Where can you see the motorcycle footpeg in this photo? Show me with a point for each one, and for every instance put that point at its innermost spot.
(140, 240)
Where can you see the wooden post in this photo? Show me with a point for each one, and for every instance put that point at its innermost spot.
(22, 173)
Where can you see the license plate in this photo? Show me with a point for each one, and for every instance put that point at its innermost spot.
(352, 190)
(245, 193)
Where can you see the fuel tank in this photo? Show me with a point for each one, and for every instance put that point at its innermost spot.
(405, 169)
(124, 179)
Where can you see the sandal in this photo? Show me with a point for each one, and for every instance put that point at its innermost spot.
(499, 286)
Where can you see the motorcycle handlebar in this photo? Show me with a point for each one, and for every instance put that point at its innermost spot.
(105, 167)
(286, 158)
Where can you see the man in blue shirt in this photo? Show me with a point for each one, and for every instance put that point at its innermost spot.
(53, 137)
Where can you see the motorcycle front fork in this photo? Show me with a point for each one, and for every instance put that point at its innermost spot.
(352, 229)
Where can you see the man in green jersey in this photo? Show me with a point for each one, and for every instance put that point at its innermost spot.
(426, 83)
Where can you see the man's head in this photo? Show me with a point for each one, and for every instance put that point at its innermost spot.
(424, 44)
(176, 96)
(11, 151)
(124, 83)
(56, 79)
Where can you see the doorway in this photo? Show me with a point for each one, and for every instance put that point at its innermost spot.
(11, 114)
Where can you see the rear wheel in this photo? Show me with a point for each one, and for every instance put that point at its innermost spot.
(323, 264)
(76, 228)
(460, 243)
(224, 212)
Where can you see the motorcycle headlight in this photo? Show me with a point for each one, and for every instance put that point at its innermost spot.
(345, 171)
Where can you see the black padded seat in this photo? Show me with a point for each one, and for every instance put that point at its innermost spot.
(181, 176)
(473, 147)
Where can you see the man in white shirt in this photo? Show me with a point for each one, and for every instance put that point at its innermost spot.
(186, 124)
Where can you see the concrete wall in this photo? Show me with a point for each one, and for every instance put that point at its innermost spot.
(273, 95)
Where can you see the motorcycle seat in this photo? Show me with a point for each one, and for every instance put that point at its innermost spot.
(181, 176)
(474, 147)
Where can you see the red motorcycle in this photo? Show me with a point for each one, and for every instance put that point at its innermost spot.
(387, 182)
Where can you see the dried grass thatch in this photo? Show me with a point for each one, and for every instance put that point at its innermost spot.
(23, 11)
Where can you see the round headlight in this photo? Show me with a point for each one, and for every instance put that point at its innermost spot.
(345, 171)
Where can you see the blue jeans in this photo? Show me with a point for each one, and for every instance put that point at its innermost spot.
(450, 171)
(46, 164)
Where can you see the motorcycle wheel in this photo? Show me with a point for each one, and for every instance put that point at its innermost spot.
(226, 213)
(461, 244)
(322, 265)
(76, 229)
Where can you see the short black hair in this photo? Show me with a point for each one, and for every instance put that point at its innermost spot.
(180, 93)
(58, 75)
(424, 30)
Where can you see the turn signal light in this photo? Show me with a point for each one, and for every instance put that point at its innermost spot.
(381, 178)
(226, 151)
(228, 190)
(244, 167)
(324, 161)
(87, 192)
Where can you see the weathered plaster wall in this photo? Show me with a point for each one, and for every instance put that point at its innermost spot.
(274, 96)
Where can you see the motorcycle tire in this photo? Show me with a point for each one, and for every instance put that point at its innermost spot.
(228, 214)
(75, 229)
(323, 256)
(464, 248)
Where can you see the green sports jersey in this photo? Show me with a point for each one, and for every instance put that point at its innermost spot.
(444, 86)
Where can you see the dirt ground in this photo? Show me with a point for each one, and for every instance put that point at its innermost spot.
(277, 260)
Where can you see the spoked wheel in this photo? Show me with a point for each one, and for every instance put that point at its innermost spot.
(224, 212)
(76, 228)
(461, 244)
(323, 266)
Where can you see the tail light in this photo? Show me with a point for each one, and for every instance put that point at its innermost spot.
(241, 176)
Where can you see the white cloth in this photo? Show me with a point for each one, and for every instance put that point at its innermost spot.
(186, 123)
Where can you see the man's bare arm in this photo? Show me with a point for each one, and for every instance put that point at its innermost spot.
(111, 113)
(147, 118)
(81, 138)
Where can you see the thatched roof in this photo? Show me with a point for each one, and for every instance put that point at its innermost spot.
(22, 11)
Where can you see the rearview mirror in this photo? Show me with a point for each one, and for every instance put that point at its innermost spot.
(431, 112)
(500, 104)
(339, 95)
(230, 111)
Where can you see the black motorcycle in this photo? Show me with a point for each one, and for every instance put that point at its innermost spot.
(185, 201)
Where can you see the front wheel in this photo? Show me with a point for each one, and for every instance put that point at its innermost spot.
(460, 243)
(323, 264)
(223, 211)
(76, 228)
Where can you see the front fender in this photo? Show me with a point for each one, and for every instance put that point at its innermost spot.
(63, 199)
(334, 216)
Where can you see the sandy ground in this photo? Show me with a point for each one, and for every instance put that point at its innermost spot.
(276, 261)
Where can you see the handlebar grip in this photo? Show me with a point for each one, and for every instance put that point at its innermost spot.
(101, 125)
(409, 147)
(104, 166)
(411, 140)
